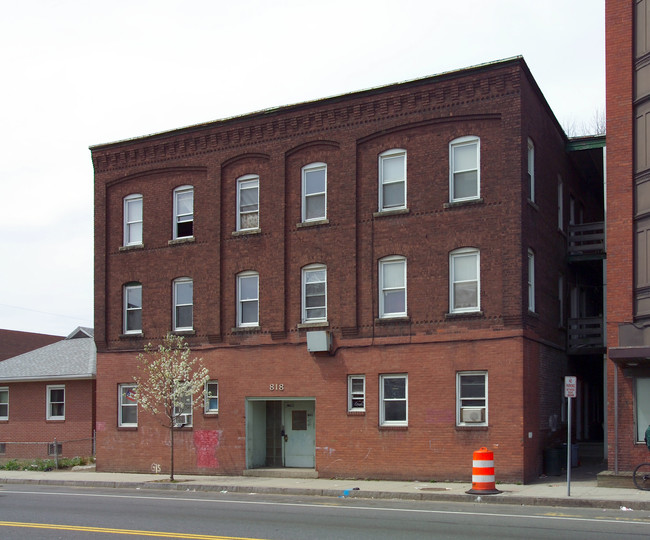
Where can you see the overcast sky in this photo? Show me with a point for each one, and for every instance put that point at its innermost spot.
(78, 72)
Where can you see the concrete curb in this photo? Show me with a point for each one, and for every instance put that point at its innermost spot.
(516, 500)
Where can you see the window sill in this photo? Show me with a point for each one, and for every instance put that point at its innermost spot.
(393, 320)
(211, 414)
(132, 247)
(356, 413)
(533, 314)
(478, 427)
(134, 335)
(180, 241)
(314, 223)
(388, 213)
(469, 202)
(394, 428)
(188, 332)
(533, 204)
(127, 428)
(465, 315)
(315, 324)
(247, 232)
(245, 329)
(54, 420)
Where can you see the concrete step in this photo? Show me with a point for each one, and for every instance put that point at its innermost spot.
(281, 472)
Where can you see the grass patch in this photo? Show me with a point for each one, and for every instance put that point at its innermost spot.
(45, 464)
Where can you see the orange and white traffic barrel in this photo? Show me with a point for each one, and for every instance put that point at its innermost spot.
(483, 480)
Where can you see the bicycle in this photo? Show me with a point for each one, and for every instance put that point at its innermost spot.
(641, 475)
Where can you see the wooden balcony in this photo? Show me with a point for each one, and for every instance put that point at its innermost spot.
(586, 335)
(587, 241)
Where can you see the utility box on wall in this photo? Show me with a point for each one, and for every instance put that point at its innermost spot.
(319, 341)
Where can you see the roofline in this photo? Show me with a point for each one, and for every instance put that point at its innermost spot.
(446, 75)
(84, 377)
(586, 143)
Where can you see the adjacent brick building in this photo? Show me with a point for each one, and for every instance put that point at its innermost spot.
(379, 283)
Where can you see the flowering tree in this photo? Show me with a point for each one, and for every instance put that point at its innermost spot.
(169, 383)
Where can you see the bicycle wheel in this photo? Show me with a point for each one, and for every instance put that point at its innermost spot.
(641, 476)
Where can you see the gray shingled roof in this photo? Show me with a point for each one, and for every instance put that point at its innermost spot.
(74, 357)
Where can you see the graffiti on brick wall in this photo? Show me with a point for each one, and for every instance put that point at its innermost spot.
(206, 443)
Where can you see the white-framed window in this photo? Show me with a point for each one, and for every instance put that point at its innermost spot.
(393, 400)
(356, 393)
(471, 398)
(392, 179)
(183, 413)
(465, 280)
(133, 220)
(531, 280)
(642, 402)
(314, 293)
(314, 191)
(392, 287)
(531, 170)
(248, 202)
(464, 169)
(560, 203)
(128, 409)
(248, 304)
(55, 395)
(4, 403)
(133, 308)
(183, 212)
(211, 397)
(183, 304)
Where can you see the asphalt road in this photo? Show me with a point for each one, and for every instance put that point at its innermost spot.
(47, 512)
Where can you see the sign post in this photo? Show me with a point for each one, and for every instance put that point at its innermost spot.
(570, 390)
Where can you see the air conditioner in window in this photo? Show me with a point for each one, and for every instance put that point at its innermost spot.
(183, 420)
(472, 416)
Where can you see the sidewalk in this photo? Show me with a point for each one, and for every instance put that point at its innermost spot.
(544, 492)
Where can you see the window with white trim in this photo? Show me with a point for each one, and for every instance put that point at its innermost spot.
(133, 308)
(531, 280)
(211, 397)
(4, 403)
(314, 293)
(356, 393)
(55, 402)
(128, 409)
(183, 212)
(393, 400)
(560, 203)
(464, 169)
(183, 413)
(642, 403)
(392, 179)
(248, 299)
(471, 398)
(465, 280)
(531, 170)
(183, 304)
(248, 202)
(133, 220)
(392, 287)
(314, 192)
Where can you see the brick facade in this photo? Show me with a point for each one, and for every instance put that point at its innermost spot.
(523, 353)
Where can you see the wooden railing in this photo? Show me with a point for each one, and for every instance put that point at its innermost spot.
(586, 334)
(587, 239)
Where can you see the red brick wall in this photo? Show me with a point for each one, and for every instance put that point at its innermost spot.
(27, 420)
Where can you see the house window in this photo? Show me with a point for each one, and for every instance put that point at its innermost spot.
(3, 448)
(531, 170)
(248, 199)
(392, 287)
(464, 166)
(314, 293)
(183, 304)
(531, 280)
(356, 393)
(133, 308)
(392, 180)
(560, 203)
(393, 400)
(55, 402)
(471, 392)
(183, 413)
(211, 398)
(465, 283)
(184, 212)
(248, 299)
(642, 407)
(314, 192)
(4, 403)
(54, 449)
(128, 411)
(133, 220)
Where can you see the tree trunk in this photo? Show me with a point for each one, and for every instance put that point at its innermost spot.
(171, 474)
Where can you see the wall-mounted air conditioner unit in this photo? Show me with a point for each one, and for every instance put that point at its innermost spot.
(319, 341)
(472, 416)
(183, 420)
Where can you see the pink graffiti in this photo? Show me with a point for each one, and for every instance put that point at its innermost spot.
(206, 443)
